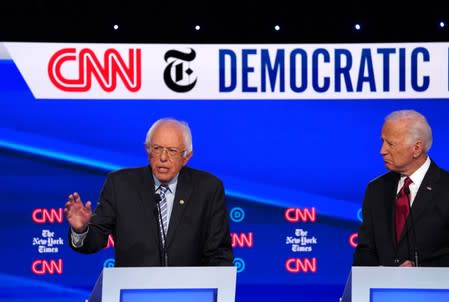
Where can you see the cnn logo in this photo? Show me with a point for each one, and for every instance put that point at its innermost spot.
(300, 215)
(242, 240)
(298, 265)
(42, 216)
(85, 66)
(47, 267)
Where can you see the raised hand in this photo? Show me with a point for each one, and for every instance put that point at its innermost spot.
(77, 214)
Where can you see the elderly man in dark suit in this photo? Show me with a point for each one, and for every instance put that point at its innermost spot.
(405, 211)
(164, 214)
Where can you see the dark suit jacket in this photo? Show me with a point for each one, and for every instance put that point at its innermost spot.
(428, 231)
(198, 233)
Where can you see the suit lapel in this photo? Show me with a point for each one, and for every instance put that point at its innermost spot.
(425, 192)
(147, 199)
(390, 197)
(181, 201)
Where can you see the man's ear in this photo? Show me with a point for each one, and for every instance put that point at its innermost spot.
(187, 157)
(418, 149)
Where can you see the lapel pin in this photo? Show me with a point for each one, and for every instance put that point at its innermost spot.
(181, 202)
(429, 188)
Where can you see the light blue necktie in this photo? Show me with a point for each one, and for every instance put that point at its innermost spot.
(164, 208)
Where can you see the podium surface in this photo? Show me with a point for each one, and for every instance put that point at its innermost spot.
(374, 284)
(122, 284)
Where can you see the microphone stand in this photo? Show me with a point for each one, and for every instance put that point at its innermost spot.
(162, 236)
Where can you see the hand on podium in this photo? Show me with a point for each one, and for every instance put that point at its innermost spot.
(407, 263)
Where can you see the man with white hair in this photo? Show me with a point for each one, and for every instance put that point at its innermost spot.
(162, 214)
(405, 212)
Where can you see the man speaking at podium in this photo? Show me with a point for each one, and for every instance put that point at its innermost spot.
(163, 214)
(405, 211)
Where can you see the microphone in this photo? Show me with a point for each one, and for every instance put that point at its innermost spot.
(415, 250)
(162, 236)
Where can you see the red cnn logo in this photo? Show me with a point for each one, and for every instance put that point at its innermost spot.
(297, 265)
(242, 239)
(42, 216)
(88, 66)
(42, 267)
(111, 242)
(296, 215)
(353, 240)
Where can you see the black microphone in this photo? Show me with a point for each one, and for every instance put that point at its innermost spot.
(415, 250)
(160, 227)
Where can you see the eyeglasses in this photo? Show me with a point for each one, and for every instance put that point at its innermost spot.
(171, 151)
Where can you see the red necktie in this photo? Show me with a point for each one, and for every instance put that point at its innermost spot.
(402, 207)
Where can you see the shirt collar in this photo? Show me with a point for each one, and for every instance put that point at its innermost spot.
(418, 176)
(171, 184)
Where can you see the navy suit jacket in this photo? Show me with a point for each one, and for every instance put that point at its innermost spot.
(198, 233)
(426, 230)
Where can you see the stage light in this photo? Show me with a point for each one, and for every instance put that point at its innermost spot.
(442, 24)
(277, 28)
(197, 27)
(115, 26)
(357, 27)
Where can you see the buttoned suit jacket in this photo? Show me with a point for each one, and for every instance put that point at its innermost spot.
(198, 232)
(426, 230)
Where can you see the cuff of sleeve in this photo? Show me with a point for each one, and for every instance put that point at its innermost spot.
(78, 239)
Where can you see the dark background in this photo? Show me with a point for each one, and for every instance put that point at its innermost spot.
(223, 21)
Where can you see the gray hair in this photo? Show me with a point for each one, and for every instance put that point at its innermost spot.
(418, 127)
(186, 133)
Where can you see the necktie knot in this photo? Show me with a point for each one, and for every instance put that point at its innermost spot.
(163, 189)
(407, 182)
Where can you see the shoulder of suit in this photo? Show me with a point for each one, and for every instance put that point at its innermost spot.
(384, 177)
(201, 174)
(128, 171)
(434, 165)
(436, 173)
(443, 173)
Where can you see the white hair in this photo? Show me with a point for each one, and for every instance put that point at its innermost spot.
(418, 127)
(186, 133)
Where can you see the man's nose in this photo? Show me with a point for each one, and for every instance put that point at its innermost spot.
(383, 149)
(164, 155)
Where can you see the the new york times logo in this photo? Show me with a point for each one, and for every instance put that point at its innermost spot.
(177, 74)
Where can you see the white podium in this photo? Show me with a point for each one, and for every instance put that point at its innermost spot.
(373, 284)
(130, 284)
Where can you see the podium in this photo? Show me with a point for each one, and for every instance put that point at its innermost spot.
(169, 284)
(398, 284)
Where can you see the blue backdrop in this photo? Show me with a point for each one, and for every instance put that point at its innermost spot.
(312, 156)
